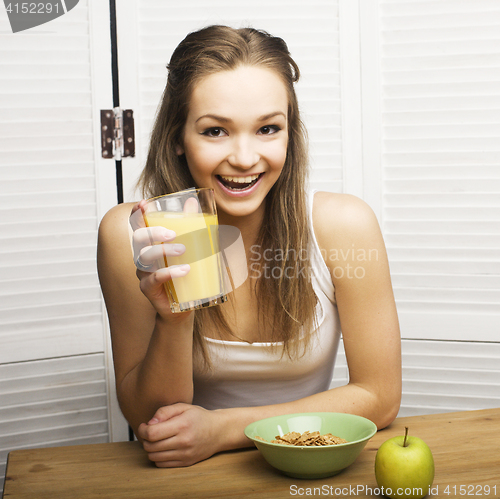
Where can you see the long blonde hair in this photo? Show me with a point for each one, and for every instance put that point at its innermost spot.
(286, 303)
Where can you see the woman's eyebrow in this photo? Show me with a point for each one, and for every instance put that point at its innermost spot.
(266, 117)
(224, 119)
(215, 117)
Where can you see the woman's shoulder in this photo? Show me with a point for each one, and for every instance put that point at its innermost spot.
(115, 261)
(114, 238)
(116, 220)
(333, 210)
(341, 220)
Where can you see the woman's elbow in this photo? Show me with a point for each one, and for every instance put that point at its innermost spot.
(389, 411)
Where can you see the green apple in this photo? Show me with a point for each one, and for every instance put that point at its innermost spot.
(404, 467)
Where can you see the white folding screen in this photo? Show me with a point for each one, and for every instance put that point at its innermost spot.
(439, 161)
(440, 129)
(53, 379)
(50, 302)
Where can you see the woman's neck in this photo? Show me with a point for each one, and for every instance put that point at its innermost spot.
(249, 226)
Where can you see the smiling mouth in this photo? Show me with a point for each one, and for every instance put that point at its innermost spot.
(238, 183)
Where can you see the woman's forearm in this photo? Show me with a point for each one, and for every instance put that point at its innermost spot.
(351, 398)
(163, 377)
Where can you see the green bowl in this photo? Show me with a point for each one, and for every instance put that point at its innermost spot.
(312, 462)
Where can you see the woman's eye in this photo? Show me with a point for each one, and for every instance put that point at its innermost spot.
(214, 132)
(269, 129)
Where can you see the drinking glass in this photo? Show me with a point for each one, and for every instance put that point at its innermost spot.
(192, 215)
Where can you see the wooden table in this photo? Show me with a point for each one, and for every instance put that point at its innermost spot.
(466, 448)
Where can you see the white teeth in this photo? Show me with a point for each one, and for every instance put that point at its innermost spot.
(240, 180)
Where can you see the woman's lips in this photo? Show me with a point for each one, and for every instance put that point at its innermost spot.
(239, 186)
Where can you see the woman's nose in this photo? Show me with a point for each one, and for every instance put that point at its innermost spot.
(244, 153)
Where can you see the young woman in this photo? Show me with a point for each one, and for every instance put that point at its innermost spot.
(189, 383)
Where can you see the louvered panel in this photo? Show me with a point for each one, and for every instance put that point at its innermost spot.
(59, 401)
(445, 199)
(442, 185)
(452, 257)
(45, 171)
(78, 239)
(39, 115)
(459, 155)
(50, 301)
(448, 308)
(43, 156)
(53, 283)
(479, 171)
(442, 116)
(462, 390)
(484, 380)
(448, 353)
(425, 403)
(311, 32)
(449, 241)
(47, 256)
(447, 281)
(50, 100)
(443, 130)
(447, 213)
(443, 376)
(43, 409)
(40, 437)
(464, 296)
(62, 269)
(67, 328)
(440, 68)
(439, 227)
(47, 198)
(70, 128)
(80, 294)
(443, 266)
(55, 393)
(42, 71)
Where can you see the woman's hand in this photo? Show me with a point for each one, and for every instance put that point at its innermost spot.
(181, 435)
(151, 247)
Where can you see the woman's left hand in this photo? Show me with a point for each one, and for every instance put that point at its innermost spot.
(180, 435)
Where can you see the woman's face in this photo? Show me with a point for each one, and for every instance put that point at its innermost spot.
(236, 135)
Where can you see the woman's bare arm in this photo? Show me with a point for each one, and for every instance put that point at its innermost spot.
(152, 348)
(351, 242)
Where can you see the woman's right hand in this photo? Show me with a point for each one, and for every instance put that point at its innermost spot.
(151, 245)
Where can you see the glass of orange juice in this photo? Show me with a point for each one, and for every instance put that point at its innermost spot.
(192, 215)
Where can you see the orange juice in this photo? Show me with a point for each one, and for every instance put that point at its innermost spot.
(199, 234)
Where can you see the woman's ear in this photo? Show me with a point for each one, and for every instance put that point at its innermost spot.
(179, 150)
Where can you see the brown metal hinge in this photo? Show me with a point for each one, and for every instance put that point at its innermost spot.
(117, 133)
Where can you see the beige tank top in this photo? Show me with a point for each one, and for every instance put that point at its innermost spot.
(253, 374)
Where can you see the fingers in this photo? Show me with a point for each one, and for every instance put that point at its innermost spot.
(171, 459)
(179, 435)
(169, 453)
(136, 219)
(191, 205)
(169, 411)
(170, 446)
(146, 236)
(149, 243)
(152, 256)
(162, 425)
(152, 283)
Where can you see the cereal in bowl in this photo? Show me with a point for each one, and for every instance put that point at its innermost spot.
(307, 438)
